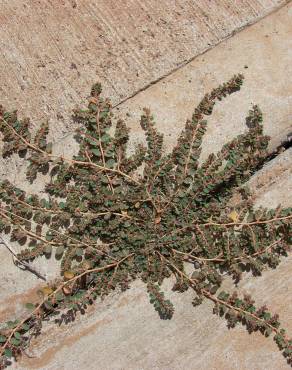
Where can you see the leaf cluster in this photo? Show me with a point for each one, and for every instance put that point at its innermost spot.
(111, 217)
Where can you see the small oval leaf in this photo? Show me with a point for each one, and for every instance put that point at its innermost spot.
(68, 275)
(47, 290)
(30, 306)
(8, 352)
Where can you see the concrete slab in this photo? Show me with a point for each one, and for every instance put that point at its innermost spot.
(262, 52)
(52, 50)
(124, 332)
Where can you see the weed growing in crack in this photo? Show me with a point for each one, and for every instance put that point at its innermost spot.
(109, 224)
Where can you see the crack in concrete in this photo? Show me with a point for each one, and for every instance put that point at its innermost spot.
(188, 61)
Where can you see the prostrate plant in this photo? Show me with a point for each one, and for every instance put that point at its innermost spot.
(112, 218)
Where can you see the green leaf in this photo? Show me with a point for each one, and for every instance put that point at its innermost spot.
(104, 179)
(110, 163)
(93, 142)
(48, 249)
(96, 152)
(59, 296)
(103, 114)
(15, 342)
(105, 138)
(2, 339)
(62, 205)
(79, 252)
(25, 327)
(8, 352)
(49, 236)
(30, 306)
(78, 295)
(12, 324)
(17, 335)
(59, 251)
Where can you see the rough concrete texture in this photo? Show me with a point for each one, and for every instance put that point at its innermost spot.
(124, 331)
(193, 339)
(262, 52)
(52, 50)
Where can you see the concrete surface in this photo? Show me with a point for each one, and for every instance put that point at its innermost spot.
(124, 331)
(193, 339)
(266, 48)
(52, 50)
(262, 52)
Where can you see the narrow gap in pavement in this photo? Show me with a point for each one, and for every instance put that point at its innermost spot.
(285, 145)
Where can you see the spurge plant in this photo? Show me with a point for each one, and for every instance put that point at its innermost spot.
(112, 217)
